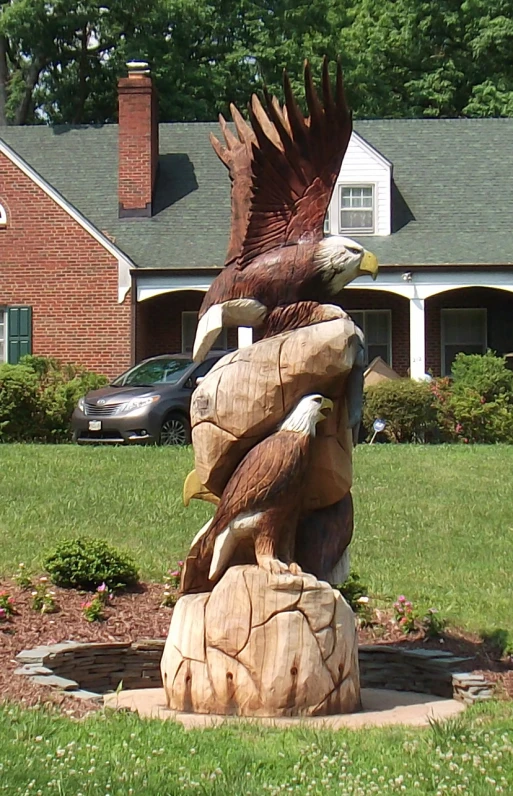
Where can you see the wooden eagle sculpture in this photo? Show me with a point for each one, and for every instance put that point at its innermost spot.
(259, 509)
(280, 268)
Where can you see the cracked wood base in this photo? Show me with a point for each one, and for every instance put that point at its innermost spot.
(262, 645)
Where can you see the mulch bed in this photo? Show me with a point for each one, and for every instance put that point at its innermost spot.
(138, 615)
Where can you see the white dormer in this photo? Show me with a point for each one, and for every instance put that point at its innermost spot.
(361, 201)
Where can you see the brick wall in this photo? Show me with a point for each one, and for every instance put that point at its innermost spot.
(355, 299)
(49, 262)
(159, 323)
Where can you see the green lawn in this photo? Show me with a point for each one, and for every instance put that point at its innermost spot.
(434, 523)
(121, 755)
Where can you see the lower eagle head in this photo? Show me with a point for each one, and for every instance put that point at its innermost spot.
(306, 414)
(340, 260)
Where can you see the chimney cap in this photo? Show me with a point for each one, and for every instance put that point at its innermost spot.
(138, 68)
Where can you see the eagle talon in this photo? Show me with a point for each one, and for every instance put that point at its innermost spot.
(295, 569)
(272, 565)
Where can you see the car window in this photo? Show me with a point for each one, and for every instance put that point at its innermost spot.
(155, 371)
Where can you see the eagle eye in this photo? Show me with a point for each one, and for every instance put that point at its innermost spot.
(353, 250)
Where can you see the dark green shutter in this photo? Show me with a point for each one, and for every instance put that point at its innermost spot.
(19, 333)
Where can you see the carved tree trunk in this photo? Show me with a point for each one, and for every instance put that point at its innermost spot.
(262, 645)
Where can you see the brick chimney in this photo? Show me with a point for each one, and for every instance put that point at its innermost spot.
(138, 141)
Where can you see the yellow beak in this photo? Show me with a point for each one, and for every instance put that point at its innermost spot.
(369, 264)
(327, 405)
(194, 489)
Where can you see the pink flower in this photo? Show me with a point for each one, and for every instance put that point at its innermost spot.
(401, 598)
(3, 613)
(103, 587)
(458, 428)
(180, 564)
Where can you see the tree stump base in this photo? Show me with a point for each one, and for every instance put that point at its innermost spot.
(262, 645)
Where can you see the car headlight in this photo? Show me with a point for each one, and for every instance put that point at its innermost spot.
(137, 403)
(81, 404)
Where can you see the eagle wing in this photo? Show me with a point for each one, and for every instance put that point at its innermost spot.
(267, 475)
(283, 170)
(295, 165)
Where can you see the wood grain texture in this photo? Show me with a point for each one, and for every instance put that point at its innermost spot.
(299, 657)
(245, 395)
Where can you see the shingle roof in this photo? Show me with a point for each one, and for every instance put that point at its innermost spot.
(452, 202)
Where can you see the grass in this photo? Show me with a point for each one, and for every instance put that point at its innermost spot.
(119, 755)
(434, 523)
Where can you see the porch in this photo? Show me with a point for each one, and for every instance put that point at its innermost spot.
(416, 321)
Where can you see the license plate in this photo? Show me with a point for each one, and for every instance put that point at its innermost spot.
(95, 425)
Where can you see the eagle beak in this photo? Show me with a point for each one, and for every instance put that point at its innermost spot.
(369, 264)
(326, 406)
(235, 312)
(194, 489)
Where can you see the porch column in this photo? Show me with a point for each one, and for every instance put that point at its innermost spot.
(417, 339)
(244, 336)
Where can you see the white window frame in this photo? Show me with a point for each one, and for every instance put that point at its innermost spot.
(389, 341)
(220, 344)
(444, 312)
(360, 230)
(3, 320)
(3, 216)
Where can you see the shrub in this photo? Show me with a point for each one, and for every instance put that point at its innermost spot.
(86, 563)
(477, 404)
(37, 398)
(405, 405)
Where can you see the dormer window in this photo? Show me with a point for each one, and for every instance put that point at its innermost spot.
(357, 209)
(3, 217)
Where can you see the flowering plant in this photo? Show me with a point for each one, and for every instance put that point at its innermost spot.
(171, 584)
(433, 624)
(405, 616)
(93, 608)
(6, 606)
(22, 577)
(43, 599)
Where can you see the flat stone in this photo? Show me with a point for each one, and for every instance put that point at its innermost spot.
(148, 644)
(55, 682)
(28, 670)
(81, 693)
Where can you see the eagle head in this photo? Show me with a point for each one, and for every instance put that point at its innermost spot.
(306, 414)
(340, 260)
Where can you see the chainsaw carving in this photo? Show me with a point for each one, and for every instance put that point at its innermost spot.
(273, 429)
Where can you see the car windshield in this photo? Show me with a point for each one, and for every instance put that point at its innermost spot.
(164, 370)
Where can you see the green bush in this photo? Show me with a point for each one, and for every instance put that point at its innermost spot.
(405, 405)
(476, 405)
(37, 398)
(86, 563)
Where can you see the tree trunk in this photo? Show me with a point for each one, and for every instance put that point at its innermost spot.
(4, 77)
(24, 107)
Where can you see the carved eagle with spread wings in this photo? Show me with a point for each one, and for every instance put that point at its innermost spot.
(283, 169)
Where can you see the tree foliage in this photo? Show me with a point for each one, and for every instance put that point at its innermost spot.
(60, 59)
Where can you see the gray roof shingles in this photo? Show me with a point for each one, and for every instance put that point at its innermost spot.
(452, 199)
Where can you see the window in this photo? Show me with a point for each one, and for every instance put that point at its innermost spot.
(462, 331)
(3, 218)
(357, 208)
(376, 326)
(327, 226)
(189, 325)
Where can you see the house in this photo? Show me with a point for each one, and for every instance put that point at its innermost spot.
(109, 236)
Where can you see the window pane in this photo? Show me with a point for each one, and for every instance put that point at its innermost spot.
(377, 327)
(356, 219)
(466, 326)
(189, 325)
(358, 319)
(374, 351)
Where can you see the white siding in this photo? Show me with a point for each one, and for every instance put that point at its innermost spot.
(364, 166)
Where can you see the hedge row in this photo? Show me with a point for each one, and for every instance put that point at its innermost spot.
(37, 398)
(475, 405)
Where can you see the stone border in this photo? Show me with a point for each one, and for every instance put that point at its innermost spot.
(89, 670)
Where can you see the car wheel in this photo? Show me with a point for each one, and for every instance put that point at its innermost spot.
(175, 430)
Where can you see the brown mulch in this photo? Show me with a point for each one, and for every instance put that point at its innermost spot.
(137, 615)
(130, 617)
